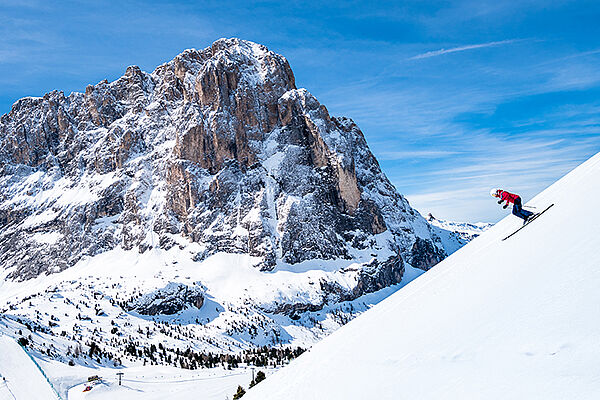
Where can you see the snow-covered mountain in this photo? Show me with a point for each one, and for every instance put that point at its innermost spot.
(216, 148)
(498, 319)
(208, 205)
(465, 230)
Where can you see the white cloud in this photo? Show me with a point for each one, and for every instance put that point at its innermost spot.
(460, 48)
(461, 192)
(408, 154)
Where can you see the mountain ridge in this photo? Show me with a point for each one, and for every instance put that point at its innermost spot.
(200, 115)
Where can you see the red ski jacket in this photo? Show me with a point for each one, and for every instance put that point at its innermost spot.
(508, 197)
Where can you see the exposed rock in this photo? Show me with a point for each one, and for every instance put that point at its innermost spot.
(378, 275)
(171, 299)
(218, 147)
(294, 310)
(424, 254)
(371, 277)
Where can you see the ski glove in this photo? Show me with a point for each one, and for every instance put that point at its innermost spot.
(504, 206)
(500, 201)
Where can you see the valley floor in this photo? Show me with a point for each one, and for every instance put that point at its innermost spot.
(149, 382)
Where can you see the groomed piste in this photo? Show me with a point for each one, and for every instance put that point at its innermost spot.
(514, 319)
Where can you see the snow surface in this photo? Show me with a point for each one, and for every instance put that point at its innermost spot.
(237, 296)
(150, 382)
(514, 319)
(20, 378)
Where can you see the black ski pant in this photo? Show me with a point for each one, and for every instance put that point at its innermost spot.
(519, 211)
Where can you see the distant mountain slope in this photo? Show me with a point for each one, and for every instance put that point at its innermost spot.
(510, 319)
(464, 230)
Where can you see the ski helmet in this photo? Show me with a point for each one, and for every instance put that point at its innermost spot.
(494, 192)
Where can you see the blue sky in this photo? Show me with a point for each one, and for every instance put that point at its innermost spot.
(453, 97)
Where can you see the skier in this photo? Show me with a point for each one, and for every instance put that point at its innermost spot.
(508, 197)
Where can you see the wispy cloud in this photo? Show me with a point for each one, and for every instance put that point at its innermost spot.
(440, 52)
(460, 191)
(416, 154)
(570, 57)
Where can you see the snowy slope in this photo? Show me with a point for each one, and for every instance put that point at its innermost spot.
(498, 319)
(24, 381)
(155, 382)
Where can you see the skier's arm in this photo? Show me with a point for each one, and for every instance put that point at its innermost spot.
(502, 199)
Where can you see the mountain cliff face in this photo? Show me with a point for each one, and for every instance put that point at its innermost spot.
(214, 167)
(217, 146)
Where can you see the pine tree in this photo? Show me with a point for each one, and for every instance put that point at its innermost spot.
(240, 392)
(260, 376)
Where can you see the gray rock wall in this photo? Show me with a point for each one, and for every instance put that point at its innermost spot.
(217, 146)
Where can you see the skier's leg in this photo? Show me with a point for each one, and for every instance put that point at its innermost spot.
(517, 211)
(525, 214)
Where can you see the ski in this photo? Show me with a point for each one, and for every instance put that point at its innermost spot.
(534, 217)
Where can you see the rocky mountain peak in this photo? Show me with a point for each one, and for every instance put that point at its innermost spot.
(215, 151)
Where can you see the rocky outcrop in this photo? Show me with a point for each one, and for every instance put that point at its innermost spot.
(217, 147)
(171, 299)
(378, 275)
(424, 254)
(371, 277)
